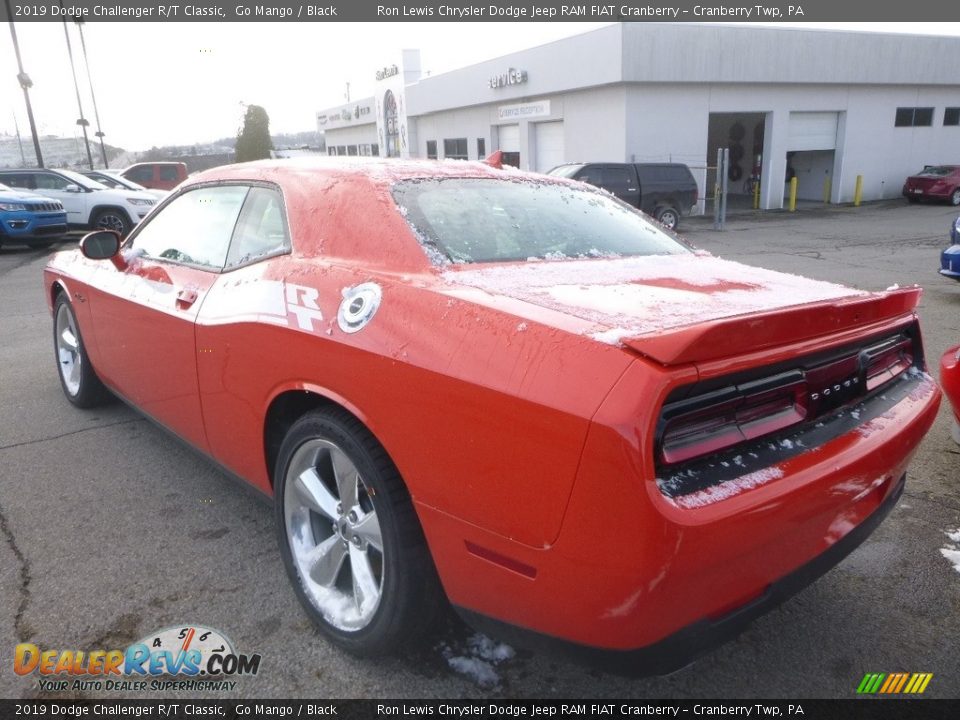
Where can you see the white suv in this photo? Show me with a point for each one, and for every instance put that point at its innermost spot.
(88, 203)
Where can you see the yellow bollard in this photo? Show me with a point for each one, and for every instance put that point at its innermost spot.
(858, 191)
(793, 194)
(827, 186)
(756, 195)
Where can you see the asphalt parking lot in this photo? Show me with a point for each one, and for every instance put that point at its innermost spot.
(111, 530)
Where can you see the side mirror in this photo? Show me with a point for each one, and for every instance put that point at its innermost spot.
(100, 245)
(73, 188)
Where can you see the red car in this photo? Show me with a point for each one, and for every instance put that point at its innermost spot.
(950, 382)
(156, 175)
(934, 182)
(512, 392)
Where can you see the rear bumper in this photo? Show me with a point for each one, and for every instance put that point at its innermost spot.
(687, 644)
(637, 573)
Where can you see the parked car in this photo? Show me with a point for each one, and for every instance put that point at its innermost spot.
(665, 191)
(934, 182)
(30, 219)
(157, 175)
(117, 181)
(88, 203)
(511, 392)
(950, 382)
(950, 257)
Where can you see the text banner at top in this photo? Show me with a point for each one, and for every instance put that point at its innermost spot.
(938, 11)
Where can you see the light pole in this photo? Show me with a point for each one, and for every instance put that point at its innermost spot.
(26, 83)
(82, 121)
(96, 114)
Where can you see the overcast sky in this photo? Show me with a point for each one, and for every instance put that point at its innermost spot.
(180, 83)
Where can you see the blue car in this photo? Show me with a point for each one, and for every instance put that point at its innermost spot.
(950, 258)
(30, 219)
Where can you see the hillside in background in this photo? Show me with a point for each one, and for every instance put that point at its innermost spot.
(70, 152)
(57, 152)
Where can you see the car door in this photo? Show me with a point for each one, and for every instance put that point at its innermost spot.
(76, 202)
(144, 313)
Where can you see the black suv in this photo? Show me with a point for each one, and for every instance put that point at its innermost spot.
(663, 190)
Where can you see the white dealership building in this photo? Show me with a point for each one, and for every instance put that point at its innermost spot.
(826, 106)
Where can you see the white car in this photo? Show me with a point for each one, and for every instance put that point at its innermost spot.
(88, 203)
(115, 180)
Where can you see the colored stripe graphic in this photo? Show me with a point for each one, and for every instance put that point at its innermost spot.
(894, 683)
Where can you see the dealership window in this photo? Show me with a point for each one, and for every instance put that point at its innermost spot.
(331, 150)
(351, 149)
(914, 117)
(431, 149)
(481, 148)
(455, 149)
(375, 149)
(951, 116)
(341, 149)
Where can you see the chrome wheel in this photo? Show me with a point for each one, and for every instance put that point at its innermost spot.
(68, 350)
(112, 220)
(955, 197)
(669, 218)
(334, 534)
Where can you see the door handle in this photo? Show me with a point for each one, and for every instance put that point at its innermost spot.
(186, 297)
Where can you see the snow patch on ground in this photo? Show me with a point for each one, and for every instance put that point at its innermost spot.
(478, 660)
(952, 551)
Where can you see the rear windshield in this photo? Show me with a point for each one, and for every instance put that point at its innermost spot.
(473, 220)
(941, 170)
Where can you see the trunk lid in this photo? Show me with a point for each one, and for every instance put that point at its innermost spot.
(682, 308)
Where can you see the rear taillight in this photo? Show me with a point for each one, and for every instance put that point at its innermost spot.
(709, 424)
(886, 361)
(712, 422)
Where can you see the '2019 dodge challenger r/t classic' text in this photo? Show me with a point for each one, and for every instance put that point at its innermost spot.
(508, 391)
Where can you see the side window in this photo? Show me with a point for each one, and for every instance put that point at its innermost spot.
(589, 175)
(195, 228)
(23, 181)
(141, 174)
(168, 173)
(50, 182)
(261, 229)
(616, 179)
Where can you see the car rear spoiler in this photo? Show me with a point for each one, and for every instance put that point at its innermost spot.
(726, 337)
(494, 159)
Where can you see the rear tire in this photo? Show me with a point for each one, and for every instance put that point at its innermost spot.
(669, 217)
(955, 197)
(350, 538)
(77, 377)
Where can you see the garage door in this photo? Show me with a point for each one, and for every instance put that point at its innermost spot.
(812, 131)
(509, 138)
(549, 151)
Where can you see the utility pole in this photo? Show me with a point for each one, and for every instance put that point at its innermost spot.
(96, 114)
(82, 121)
(25, 83)
(16, 125)
(348, 92)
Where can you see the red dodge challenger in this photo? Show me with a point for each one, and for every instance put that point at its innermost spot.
(504, 390)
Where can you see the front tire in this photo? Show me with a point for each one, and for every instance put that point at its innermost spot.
(110, 219)
(955, 197)
(349, 536)
(77, 377)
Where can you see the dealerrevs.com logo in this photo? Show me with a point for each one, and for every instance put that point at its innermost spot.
(189, 657)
